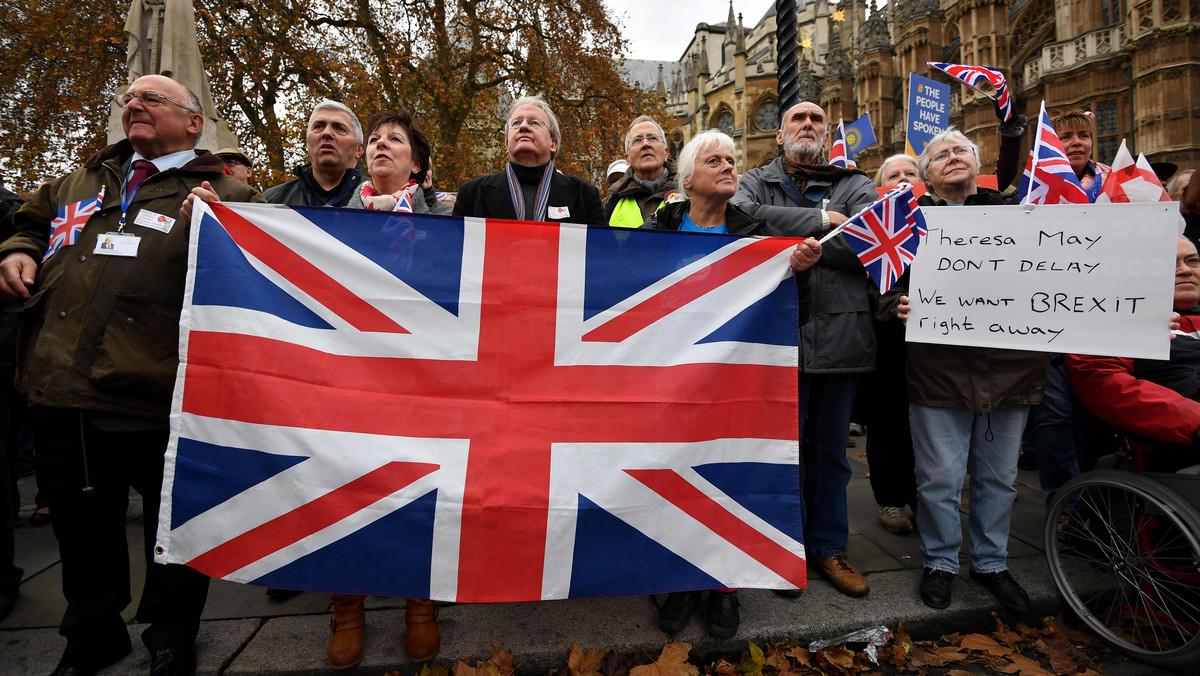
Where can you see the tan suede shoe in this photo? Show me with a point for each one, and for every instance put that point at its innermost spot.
(424, 639)
(842, 575)
(349, 618)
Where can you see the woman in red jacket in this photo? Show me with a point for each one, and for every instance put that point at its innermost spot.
(1155, 399)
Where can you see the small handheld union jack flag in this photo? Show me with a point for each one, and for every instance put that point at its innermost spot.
(66, 226)
(974, 76)
(839, 154)
(886, 235)
(1049, 178)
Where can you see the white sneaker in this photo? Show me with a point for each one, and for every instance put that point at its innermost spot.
(894, 520)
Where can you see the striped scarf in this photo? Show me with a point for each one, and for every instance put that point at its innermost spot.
(518, 197)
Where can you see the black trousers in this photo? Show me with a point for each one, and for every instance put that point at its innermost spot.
(884, 398)
(10, 502)
(73, 454)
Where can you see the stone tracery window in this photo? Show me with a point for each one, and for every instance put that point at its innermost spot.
(725, 122)
(766, 118)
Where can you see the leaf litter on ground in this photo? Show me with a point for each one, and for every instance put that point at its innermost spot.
(1053, 649)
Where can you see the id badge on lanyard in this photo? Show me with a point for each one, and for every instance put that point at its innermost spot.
(120, 243)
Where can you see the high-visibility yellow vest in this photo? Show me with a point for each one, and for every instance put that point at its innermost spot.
(628, 214)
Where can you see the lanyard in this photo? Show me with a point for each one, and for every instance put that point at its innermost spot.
(127, 199)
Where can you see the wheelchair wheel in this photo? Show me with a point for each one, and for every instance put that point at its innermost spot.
(1124, 553)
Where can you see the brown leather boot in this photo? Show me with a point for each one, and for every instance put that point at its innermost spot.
(843, 576)
(349, 618)
(423, 640)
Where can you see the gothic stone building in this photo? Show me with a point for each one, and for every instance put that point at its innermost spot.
(1134, 63)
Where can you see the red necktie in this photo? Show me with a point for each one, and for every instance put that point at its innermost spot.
(142, 169)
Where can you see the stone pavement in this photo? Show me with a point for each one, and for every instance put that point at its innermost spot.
(244, 632)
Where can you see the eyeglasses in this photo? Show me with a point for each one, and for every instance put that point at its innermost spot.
(150, 100)
(639, 140)
(945, 155)
(533, 123)
(1192, 261)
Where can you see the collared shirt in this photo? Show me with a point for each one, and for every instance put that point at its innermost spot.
(171, 161)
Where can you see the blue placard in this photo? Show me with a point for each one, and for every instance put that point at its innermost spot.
(928, 112)
(859, 134)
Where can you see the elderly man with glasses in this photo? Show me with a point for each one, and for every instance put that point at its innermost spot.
(529, 188)
(99, 336)
(649, 183)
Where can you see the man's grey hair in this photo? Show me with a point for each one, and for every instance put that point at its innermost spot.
(193, 101)
(951, 135)
(894, 158)
(702, 142)
(662, 134)
(330, 104)
(538, 102)
(1174, 190)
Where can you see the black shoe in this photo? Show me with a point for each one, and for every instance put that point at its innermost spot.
(176, 660)
(789, 593)
(676, 611)
(8, 601)
(83, 663)
(1006, 590)
(935, 588)
(282, 594)
(40, 518)
(723, 617)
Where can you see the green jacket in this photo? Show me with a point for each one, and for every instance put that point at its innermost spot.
(101, 333)
(626, 188)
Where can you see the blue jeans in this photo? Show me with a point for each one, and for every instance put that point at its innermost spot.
(947, 443)
(825, 406)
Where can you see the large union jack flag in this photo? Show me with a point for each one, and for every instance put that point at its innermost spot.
(1048, 177)
(68, 223)
(886, 235)
(479, 410)
(975, 76)
(839, 153)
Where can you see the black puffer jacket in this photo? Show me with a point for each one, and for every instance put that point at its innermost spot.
(303, 190)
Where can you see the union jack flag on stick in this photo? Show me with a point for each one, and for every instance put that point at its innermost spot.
(975, 76)
(509, 411)
(839, 153)
(66, 226)
(1048, 177)
(886, 235)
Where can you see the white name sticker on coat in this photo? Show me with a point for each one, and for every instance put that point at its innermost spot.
(558, 212)
(117, 244)
(155, 221)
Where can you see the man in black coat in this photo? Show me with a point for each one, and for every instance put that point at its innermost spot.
(529, 189)
(335, 142)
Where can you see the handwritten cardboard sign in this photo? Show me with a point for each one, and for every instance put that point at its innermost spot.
(1078, 278)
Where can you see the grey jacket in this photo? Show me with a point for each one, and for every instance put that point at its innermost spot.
(840, 337)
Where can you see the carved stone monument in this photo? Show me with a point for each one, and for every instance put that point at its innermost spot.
(162, 40)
